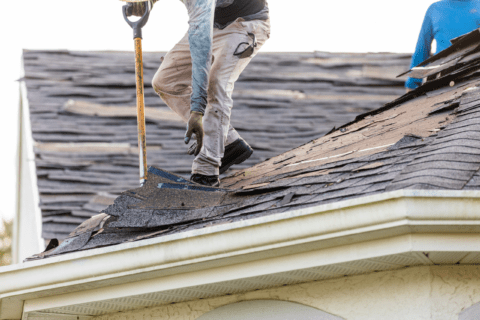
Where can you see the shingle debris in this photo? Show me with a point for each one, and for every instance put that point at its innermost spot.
(403, 145)
(82, 110)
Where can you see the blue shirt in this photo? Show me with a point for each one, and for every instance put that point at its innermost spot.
(444, 20)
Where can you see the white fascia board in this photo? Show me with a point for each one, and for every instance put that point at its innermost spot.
(31, 164)
(372, 218)
(18, 169)
(27, 174)
(226, 274)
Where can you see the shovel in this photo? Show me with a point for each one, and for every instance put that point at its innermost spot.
(137, 36)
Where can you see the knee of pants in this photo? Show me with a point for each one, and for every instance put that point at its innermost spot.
(164, 83)
(160, 84)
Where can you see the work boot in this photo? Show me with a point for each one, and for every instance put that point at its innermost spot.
(235, 153)
(211, 181)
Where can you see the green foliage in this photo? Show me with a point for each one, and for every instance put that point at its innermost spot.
(6, 232)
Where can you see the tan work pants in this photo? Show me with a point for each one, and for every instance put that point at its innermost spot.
(173, 82)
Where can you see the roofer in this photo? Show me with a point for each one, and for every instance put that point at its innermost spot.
(444, 20)
(196, 78)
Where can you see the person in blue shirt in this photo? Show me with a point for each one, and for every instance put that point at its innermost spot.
(444, 20)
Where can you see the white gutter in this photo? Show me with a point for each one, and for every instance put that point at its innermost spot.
(378, 217)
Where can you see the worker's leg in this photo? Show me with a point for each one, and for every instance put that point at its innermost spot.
(173, 81)
(226, 69)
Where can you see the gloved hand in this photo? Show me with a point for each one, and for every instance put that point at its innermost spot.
(195, 125)
(138, 8)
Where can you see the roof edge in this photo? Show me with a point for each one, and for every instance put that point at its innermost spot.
(351, 221)
(26, 166)
(365, 204)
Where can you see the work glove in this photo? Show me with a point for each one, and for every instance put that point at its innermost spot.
(138, 8)
(195, 126)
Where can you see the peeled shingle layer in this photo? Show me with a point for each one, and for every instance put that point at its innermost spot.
(426, 139)
(82, 110)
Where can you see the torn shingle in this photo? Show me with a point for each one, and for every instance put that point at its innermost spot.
(426, 139)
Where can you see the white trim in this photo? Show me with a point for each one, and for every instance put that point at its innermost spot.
(349, 253)
(331, 233)
(440, 199)
(18, 169)
(26, 144)
(31, 163)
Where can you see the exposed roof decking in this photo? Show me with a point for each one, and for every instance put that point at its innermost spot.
(369, 136)
(426, 139)
(86, 156)
(161, 208)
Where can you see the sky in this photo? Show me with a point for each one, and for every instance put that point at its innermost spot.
(301, 25)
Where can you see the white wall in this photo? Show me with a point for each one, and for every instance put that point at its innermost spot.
(267, 310)
(415, 293)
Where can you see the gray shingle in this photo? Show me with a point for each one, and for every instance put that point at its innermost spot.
(397, 146)
(306, 103)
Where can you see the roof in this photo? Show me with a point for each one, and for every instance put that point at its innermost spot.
(84, 127)
(367, 235)
(427, 139)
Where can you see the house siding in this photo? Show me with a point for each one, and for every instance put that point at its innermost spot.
(431, 292)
